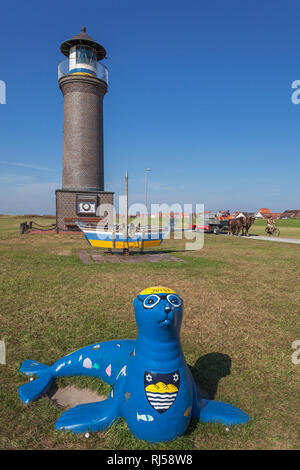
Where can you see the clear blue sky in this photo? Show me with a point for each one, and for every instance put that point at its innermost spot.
(199, 91)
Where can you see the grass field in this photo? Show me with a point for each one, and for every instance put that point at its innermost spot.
(289, 228)
(241, 317)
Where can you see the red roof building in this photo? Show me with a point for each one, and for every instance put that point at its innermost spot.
(290, 213)
(263, 213)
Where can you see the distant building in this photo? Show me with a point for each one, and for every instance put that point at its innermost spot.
(237, 214)
(263, 213)
(276, 215)
(248, 214)
(290, 213)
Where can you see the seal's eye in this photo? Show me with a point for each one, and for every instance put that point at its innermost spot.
(174, 300)
(151, 301)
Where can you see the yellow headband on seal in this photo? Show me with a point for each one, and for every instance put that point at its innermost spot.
(157, 290)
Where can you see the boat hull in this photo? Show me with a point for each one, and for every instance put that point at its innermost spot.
(106, 240)
(121, 245)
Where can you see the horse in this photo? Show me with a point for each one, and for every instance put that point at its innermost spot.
(249, 221)
(234, 226)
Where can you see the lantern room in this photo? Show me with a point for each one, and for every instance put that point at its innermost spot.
(83, 56)
(82, 59)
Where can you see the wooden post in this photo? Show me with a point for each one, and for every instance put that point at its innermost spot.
(142, 242)
(114, 239)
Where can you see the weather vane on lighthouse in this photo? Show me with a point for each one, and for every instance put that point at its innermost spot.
(83, 80)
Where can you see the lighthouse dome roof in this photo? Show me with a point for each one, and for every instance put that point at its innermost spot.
(83, 39)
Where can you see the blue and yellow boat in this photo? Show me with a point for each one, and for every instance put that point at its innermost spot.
(116, 238)
(124, 236)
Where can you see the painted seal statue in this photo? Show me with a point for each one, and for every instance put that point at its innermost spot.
(152, 386)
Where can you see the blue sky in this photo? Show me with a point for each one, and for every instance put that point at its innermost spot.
(199, 91)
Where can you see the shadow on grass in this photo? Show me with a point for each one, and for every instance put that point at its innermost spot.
(208, 370)
(151, 252)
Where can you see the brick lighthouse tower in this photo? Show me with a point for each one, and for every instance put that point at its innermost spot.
(83, 81)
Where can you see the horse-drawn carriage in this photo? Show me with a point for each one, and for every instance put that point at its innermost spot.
(211, 224)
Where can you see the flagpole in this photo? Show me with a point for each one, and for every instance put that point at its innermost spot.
(126, 208)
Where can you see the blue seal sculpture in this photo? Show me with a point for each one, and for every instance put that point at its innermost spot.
(152, 386)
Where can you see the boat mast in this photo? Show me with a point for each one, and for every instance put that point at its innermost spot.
(126, 208)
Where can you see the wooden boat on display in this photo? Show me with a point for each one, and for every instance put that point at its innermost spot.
(123, 236)
(121, 239)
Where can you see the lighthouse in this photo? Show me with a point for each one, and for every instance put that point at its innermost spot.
(83, 81)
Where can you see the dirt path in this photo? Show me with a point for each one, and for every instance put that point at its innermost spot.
(273, 239)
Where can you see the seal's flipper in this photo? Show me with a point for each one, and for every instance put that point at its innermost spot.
(211, 411)
(89, 417)
(30, 367)
(33, 390)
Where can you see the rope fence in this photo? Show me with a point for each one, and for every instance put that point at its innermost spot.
(26, 227)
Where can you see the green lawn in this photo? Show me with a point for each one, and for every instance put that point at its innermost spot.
(11, 224)
(289, 228)
(241, 317)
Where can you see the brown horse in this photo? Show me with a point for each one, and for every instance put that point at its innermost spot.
(249, 221)
(235, 226)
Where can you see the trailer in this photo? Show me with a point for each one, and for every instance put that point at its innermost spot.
(211, 224)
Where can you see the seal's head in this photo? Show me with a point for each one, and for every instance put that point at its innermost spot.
(158, 311)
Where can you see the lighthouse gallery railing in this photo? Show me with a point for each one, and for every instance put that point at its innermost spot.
(63, 70)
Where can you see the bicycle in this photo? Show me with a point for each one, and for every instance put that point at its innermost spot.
(274, 233)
